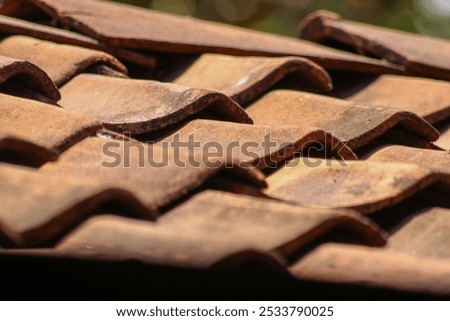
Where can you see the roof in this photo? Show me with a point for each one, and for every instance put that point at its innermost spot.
(151, 156)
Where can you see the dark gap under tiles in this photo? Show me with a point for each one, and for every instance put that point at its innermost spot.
(115, 207)
(171, 66)
(393, 218)
(24, 158)
(20, 86)
(136, 71)
(329, 42)
(25, 9)
(346, 84)
(341, 234)
(443, 126)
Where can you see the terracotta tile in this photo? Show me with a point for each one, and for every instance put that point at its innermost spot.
(355, 124)
(114, 237)
(157, 176)
(369, 267)
(29, 76)
(12, 26)
(37, 207)
(38, 132)
(131, 27)
(444, 139)
(179, 238)
(60, 62)
(438, 161)
(420, 55)
(245, 78)
(365, 186)
(260, 146)
(427, 98)
(141, 106)
(425, 235)
(268, 224)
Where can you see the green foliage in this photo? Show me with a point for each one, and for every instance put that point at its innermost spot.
(431, 17)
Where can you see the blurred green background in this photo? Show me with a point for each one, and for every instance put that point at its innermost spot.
(430, 17)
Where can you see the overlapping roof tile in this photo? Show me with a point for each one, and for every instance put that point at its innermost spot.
(355, 124)
(419, 55)
(152, 30)
(365, 186)
(37, 207)
(427, 98)
(60, 62)
(245, 78)
(156, 175)
(350, 264)
(13, 26)
(33, 132)
(27, 75)
(161, 172)
(444, 139)
(425, 235)
(238, 224)
(117, 237)
(433, 159)
(142, 106)
(260, 146)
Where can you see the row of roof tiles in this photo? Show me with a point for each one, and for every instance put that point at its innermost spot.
(76, 98)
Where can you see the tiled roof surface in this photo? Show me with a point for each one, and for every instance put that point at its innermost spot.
(306, 172)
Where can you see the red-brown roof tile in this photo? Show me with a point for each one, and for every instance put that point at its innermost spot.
(425, 235)
(245, 78)
(260, 146)
(355, 124)
(35, 132)
(142, 106)
(433, 159)
(156, 175)
(130, 27)
(12, 26)
(365, 186)
(215, 213)
(60, 62)
(427, 98)
(420, 55)
(29, 76)
(37, 207)
(444, 140)
(238, 224)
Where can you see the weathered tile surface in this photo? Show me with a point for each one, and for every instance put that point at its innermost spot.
(425, 235)
(156, 175)
(435, 160)
(427, 98)
(379, 268)
(29, 76)
(38, 131)
(245, 78)
(420, 55)
(37, 207)
(141, 106)
(13, 26)
(198, 235)
(130, 27)
(260, 146)
(60, 62)
(182, 153)
(365, 186)
(355, 124)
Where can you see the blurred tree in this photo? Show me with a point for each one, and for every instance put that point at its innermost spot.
(431, 17)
